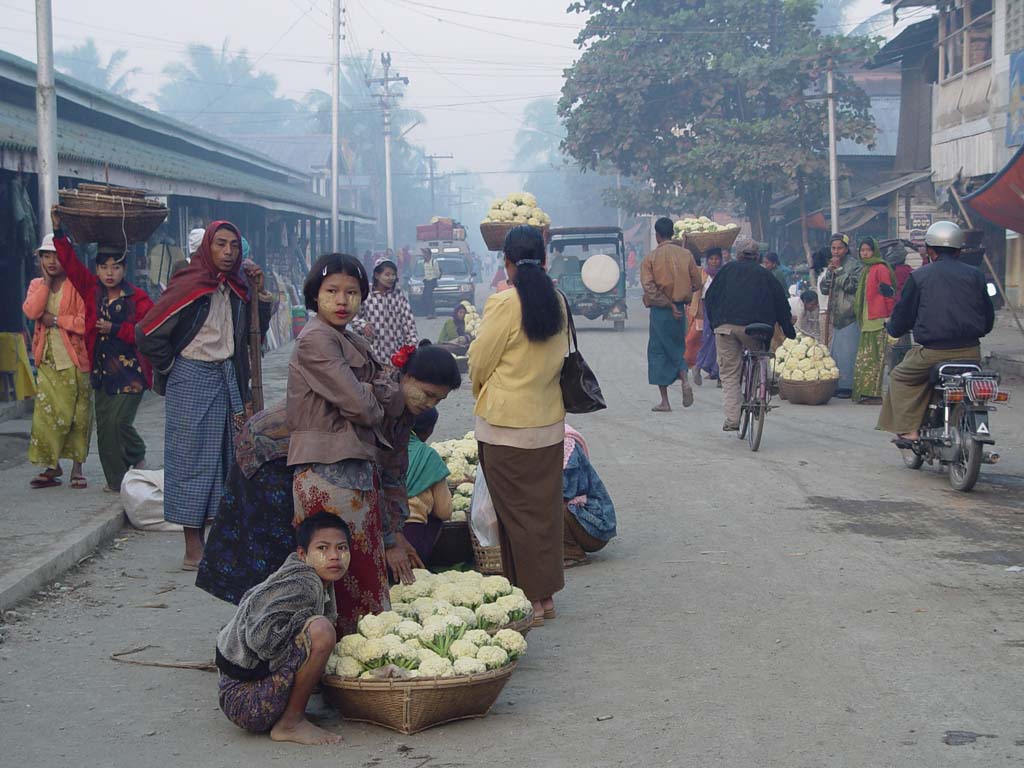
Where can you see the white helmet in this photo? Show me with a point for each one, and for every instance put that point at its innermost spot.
(944, 234)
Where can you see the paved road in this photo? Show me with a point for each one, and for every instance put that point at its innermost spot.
(814, 604)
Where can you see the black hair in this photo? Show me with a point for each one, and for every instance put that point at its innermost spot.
(305, 530)
(425, 423)
(807, 296)
(542, 305)
(716, 251)
(772, 256)
(433, 365)
(333, 264)
(664, 228)
(103, 255)
(944, 252)
(820, 259)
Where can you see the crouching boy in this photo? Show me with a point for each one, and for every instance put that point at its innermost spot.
(272, 654)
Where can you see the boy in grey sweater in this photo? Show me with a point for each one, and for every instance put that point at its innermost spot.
(272, 654)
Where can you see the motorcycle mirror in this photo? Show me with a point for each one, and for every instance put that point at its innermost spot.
(991, 289)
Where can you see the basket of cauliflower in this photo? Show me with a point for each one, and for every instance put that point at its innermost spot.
(703, 233)
(505, 213)
(461, 457)
(430, 661)
(807, 374)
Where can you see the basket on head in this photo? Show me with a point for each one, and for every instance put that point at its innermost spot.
(109, 215)
(410, 706)
(703, 240)
(808, 392)
(494, 232)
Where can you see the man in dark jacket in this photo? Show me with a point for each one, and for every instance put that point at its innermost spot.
(947, 306)
(742, 293)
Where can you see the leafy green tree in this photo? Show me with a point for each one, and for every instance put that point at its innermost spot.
(83, 62)
(707, 101)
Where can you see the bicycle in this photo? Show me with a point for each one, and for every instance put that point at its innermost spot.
(755, 385)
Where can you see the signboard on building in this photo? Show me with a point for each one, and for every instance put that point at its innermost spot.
(1015, 116)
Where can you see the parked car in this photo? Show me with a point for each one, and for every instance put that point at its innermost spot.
(597, 291)
(455, 286)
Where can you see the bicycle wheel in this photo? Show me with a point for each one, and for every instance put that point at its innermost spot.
(745, 394)
(758, 408)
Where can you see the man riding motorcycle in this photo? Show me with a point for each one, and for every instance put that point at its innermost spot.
(947, 306)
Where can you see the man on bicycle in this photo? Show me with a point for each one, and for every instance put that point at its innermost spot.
(743, 293)
(947, 306)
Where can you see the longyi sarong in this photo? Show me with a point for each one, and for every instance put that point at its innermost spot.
(844, 351)
(666, 347)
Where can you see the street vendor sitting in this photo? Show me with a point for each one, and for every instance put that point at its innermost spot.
(272, 654)
(426, 481)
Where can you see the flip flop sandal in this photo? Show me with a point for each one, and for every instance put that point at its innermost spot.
(550, 613)
(44, 481)
(538, 621)
(78, 482)
(903, 443)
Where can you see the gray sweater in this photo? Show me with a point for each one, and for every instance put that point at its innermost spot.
(269, 617)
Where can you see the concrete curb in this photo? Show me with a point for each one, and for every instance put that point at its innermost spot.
(1006, 364)
(37, 572)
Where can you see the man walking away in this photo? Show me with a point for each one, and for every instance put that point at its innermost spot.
(742, 293)
(840, 285)
(947, 306)
(431, 274)
(669, 277)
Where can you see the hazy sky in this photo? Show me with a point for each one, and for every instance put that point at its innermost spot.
(470, 75)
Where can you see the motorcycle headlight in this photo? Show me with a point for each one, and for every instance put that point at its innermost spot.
(416, 290)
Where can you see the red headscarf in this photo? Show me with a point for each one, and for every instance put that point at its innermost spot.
(199, 278)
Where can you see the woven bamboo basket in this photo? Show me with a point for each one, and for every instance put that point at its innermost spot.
(486, 559)
(410, 706)
(522, 626)
(493, 233)
(808, 392)
(99, 197)
(704, 240)
(119, 216)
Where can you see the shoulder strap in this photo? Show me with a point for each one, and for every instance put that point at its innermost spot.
(573, 343)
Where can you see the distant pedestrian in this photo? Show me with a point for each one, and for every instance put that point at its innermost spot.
(431, 276)
(772, 264)
(707, 357)
(840, 285)
(874, 302)
(670, 277)
(120, 374)
(500, 280)
(808, 321)
(62, 417)
(386, 318)
(197, 339)
(631, 267)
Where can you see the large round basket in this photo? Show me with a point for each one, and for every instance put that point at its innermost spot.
(410, 706)
(704, 240)
(522, 626)
(808, 392)
(493, 233)
(117, 216)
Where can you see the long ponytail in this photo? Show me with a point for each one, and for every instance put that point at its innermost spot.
(542, 306)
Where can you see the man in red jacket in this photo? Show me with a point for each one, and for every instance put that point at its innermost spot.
(119, 373)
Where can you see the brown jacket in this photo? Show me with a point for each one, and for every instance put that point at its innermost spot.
(669, 275)
(338, 396)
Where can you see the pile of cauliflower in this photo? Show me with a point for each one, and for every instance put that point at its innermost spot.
(472, 320)
(701, 224)
(445, 625)
(803, 359)
(517, 208)
(462, 459)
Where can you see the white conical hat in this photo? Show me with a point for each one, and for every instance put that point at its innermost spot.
(601, 273)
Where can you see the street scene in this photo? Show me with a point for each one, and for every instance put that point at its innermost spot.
(423, 384)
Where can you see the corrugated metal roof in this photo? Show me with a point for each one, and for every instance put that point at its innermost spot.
(886, 112)
(76, 142)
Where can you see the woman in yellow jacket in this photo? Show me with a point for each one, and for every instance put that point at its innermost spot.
(514, 364)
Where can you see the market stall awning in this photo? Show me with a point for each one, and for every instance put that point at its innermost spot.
(884, 189)
(1001, 200)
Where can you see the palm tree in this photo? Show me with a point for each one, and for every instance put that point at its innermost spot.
(537, 141)
(83, 62)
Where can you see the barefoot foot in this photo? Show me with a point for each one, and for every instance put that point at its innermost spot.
(303, 732)
(663, 408)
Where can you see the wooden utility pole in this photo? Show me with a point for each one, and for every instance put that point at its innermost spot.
(430, 169)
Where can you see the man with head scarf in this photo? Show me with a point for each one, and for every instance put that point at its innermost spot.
(840, 283)
(742, 293)
(197, 339)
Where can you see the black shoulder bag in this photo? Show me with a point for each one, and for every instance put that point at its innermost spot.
(581, 392)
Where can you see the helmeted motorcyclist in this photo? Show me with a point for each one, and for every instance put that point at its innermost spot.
(947, 306)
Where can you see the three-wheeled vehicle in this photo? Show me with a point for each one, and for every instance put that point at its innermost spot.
(588, 264)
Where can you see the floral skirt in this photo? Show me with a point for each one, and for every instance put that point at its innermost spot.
(255, 705)
(870, 365)
(364, 589)
(62, 418)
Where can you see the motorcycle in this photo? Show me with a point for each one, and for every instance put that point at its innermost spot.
(956, 425)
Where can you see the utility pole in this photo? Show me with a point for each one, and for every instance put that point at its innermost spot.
(430, 166)
(46, 115)
(833, 160)
(385, 101)
(335, 121)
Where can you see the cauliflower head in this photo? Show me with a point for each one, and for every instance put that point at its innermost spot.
(466, 665)
(493, 656)
(513, 643)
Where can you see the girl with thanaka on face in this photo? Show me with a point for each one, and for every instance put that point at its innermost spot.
(386, 318)
(274, 651)
(119, 376)
(197, 339)
(62, 418)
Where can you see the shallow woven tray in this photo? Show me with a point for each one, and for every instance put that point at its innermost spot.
(494, 233)
(808, 392)
(522, 626)
(410, 706)
(111, 227)
(97, 197)
(705, 240)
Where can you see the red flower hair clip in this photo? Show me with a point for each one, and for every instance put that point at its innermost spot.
(401, 358)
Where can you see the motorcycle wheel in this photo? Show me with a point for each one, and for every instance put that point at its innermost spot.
(964, 469)
(912, 460)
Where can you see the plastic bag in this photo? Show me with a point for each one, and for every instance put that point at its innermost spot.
(142, 493)
(482, 516)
